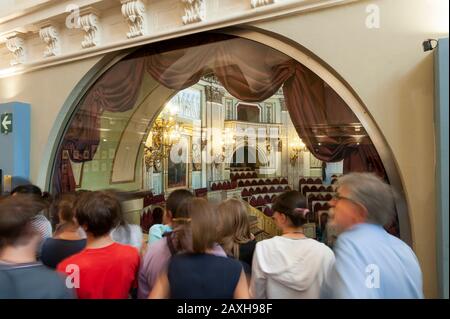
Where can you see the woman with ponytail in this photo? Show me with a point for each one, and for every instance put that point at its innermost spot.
(291, 265)
(195, 272)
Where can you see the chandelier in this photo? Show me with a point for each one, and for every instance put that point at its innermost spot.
(164, 134)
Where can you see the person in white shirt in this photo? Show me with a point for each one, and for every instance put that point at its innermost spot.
(291, 265)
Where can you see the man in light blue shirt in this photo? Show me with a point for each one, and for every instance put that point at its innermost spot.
(370, 263)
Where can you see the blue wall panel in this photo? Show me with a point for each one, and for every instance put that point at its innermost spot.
(442, 181)
(15, 146)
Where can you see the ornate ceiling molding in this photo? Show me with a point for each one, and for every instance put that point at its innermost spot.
(134, 13)
(260, 3)
(90, 24)
(50, 36)
(16, 45)
(56, 35)
(194, 11)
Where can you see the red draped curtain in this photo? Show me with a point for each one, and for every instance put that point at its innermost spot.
(250, 71)
(116, 91)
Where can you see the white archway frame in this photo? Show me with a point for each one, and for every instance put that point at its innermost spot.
(286, 46)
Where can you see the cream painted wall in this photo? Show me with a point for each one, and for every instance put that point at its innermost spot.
(386, 67)
(46, 90)
(394, 78)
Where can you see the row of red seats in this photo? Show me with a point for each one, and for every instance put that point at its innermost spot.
(262, 181)
(201, 192)
(237, 176)
(309, 180)
(249, 191)
(261, 200)
(316, 188)
(223, 185)
(318, 197)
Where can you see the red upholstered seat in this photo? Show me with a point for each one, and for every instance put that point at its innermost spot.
(261, 182)
(253, 201)
(241, 183)
(276, 181)
(272, 198)
(267, 198)
(329, 188)
(322, 188)
(287, 188)
(264, 189)
(280, 188)
(214, 186)
(260, 201)
(247, 183)
(309, 181)
(272, 189)
(328, 197)
(318, 181)
(254, 182)
(314, 188)
(306, 189)
(245, 192)
(284, 181)
(268, 211)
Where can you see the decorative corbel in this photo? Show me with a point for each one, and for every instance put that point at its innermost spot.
(16, 45)
(50, 36)
(89, 22)
(194, 11)
(260, 3)
(134, 13)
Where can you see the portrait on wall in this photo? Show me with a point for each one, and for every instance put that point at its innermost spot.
(177, 168)
(314, 162)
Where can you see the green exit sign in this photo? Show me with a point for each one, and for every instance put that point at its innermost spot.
(6, 123)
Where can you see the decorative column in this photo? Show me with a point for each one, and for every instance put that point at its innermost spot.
(16, 45)
(134, 13)
(90, 24)
(50, 36)
(260, 3)
(194, 11)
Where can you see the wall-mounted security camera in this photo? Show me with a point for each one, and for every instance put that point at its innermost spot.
(428, 45)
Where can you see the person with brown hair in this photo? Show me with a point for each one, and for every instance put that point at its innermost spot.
(221, 277)
(234, 232)
(21, 276)
(157, 231)
(291, 265)
(68, 238)
(159, 253)
(106, 269)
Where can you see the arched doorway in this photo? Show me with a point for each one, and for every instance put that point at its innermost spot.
(287, 56)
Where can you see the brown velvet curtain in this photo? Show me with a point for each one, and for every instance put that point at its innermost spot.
(116, 91)
(364, 158)
(253, 72)
(250, 71)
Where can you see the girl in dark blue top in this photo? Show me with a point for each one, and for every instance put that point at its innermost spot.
(195, 273)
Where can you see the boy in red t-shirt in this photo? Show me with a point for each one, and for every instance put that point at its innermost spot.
(104, 269)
